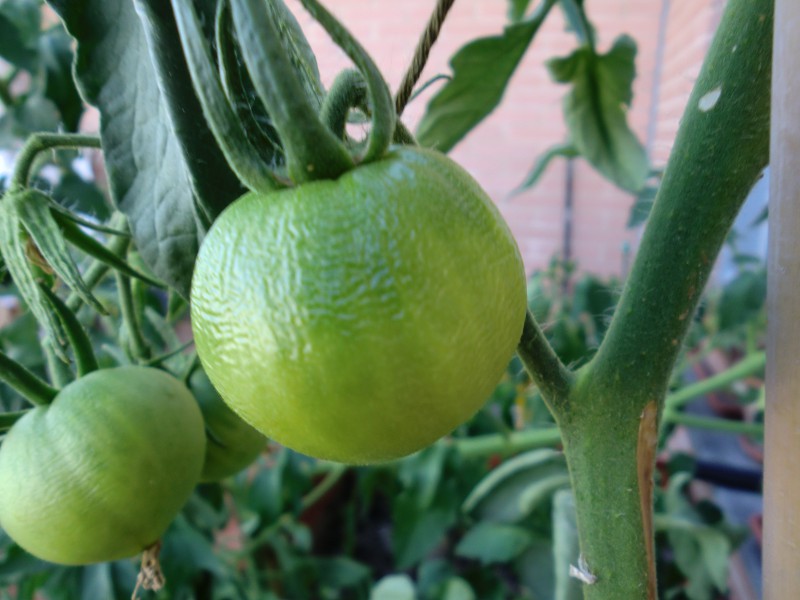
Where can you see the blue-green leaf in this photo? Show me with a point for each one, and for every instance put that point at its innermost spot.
(165, 170)
(595, 110)
(491, 543)
(481, 71)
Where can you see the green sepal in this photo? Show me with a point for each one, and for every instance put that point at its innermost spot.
(85, 360)
(312, 151)
(242, 157)
(239, 86)
(95, 249)
(35, 390)
(8, 419)
(35, 214)
(384, 116)
(13, 244)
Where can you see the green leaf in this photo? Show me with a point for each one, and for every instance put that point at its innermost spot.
(500, 496)
(77, 195)
(743, 298)
(701, 550)
(481, 71)
(422, 473)
(642, 205)
(536, 569)
(493, 543)
(394, 587)
(541, 164)
(55, 50)
(167, 199)
(417, 531)
(19, 32)
(214, 184)
(517, 10)
(341, 572)
(457, 588)
(596, 111)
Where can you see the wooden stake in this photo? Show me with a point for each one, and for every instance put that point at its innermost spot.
(782, 465)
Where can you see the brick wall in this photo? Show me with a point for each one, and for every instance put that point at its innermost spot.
(502, 149)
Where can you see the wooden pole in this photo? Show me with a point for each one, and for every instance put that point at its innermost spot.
(782, 466)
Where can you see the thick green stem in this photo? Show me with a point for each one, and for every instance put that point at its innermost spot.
(312, 152)
(610, 420)
(41, 142)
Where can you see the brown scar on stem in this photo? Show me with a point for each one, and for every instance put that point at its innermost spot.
(646, 445)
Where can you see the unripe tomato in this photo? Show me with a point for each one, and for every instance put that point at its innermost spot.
(360, 319)
(99, 474)
(231, 444)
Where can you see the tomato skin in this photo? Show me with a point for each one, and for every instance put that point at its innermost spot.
(360, 319)
(231, 444)
(100, 473)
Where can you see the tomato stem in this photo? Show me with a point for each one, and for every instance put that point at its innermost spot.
(544, 366)
(41, 142)
(382, 106)
(130, 319)
(58, 371)
(348, 90)
(33, 389)
(85, 360)
(312, 151)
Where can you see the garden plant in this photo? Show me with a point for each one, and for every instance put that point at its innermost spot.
(358, 301)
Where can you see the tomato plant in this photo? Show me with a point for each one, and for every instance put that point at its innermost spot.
(353, 299)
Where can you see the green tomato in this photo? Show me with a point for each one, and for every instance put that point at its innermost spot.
(360, 319)
(231, 444)
(99, 474)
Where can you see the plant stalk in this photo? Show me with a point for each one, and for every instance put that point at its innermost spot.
(41, 142)
(610, 420)
(751, 365)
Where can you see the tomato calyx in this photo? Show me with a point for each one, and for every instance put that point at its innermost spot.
(310, 149)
